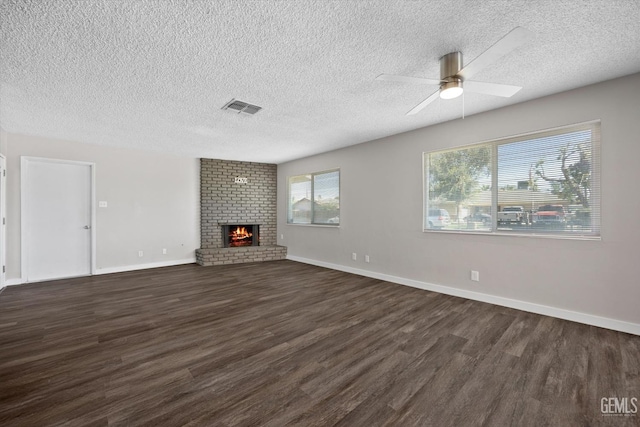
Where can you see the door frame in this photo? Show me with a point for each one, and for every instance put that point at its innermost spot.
(24, 208)
(3, 220)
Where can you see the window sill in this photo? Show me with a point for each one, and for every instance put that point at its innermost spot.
(314, 225)
(527, 235)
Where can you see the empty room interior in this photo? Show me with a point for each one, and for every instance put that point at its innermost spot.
(318, 213)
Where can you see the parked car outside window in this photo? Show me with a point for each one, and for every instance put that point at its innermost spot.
(479, 217)
(438, 218)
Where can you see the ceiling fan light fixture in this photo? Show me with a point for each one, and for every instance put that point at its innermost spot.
(452, 72)
(451, 89)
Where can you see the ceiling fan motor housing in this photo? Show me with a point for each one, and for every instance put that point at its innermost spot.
(450, 65)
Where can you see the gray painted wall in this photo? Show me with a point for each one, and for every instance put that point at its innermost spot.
(153, 202)
(3, 141)
(381, 210)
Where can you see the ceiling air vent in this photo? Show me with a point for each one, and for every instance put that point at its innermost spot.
(241, 107)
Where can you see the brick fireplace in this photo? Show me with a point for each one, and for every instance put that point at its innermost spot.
(236, 195)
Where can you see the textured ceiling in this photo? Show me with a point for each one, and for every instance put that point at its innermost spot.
(154, 74)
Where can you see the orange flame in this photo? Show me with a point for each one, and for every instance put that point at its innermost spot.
(241, 233)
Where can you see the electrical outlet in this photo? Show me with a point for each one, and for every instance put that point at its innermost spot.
(164, 251)
(354, 256)
(281, 236)
(475, 276)
(140, 254)
(366, 258)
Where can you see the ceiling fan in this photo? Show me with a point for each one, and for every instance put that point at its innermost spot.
(454, 78)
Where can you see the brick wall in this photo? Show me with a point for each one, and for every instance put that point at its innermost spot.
(222, 201)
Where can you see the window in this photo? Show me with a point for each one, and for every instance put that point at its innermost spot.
(546, 183)
(315, 198)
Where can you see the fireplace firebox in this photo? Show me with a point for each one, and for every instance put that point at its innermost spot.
(237, 235)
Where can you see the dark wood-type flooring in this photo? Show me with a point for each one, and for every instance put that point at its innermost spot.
(283, 343)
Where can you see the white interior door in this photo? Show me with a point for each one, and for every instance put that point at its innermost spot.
(57, 234)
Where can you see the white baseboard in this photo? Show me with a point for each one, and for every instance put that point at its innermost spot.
(588, 319)
(134, 267)
(121, 269)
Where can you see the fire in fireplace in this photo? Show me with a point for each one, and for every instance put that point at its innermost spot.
(234, 235)
(241, 236)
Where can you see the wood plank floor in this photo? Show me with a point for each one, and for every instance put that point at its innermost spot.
(283, 343)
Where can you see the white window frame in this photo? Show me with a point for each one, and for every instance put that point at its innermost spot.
(594, 125)
(312, 198)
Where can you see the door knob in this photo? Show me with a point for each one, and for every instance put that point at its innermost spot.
(87, 227)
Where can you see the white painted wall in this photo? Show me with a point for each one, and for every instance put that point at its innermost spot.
(381, 212)
(153, 203)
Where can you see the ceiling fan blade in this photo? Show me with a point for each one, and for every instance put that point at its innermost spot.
(491, 88)
(514, 39)
(419, 107)
(407, 79)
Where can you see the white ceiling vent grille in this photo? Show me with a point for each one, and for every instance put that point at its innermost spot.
(241, 107)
